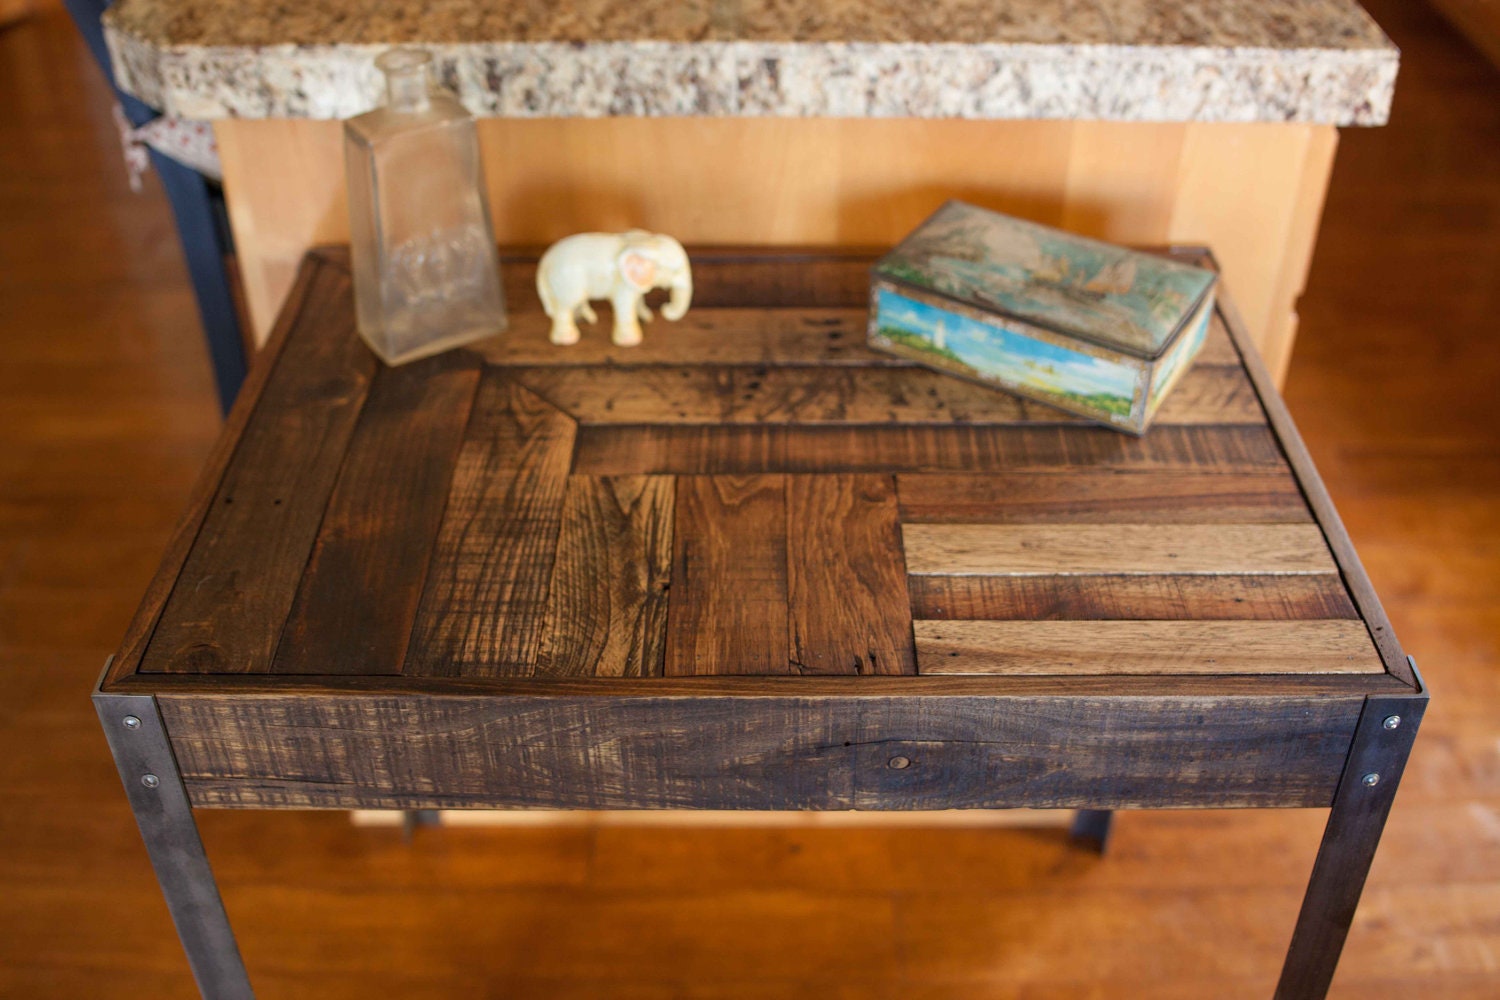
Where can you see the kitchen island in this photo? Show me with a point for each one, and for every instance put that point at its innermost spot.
(750, 122)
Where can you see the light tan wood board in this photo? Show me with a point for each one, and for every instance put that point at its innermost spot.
(1144, 647)
(1253, 191)
(1050, 549)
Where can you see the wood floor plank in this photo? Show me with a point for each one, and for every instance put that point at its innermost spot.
(1022, 496)
(607, 611)
(1144, 647)
(354, 610)
(1177, 596)
(484, 605)
(232, 598)
(1061, 549)
(727, 612)
(847, 604)
(766, 448)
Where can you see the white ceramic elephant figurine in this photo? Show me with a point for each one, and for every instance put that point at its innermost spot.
(621, 267)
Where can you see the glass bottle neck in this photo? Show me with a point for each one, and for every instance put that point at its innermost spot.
(406, 84)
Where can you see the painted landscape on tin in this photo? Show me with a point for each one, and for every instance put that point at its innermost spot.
(987, 351)
(1111, 295)
(1182, 353)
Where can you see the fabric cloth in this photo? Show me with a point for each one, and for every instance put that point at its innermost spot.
(190, 143)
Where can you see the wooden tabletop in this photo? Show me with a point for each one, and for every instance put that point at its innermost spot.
(754, 525)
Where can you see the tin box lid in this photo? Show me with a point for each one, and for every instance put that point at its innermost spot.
(1123, 299)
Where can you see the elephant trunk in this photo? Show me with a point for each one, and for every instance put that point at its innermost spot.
(682, 296)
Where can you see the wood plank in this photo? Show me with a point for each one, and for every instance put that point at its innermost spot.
(1024, 496)
(848, 394)
(358, 598)
(1050, 549)
(1211, 394)
(776, 751)
(764, 448)
(1129, 597)
(607, 611)
(482, 611)
(313, 272)
(728, 602)
(847, 604)
(712, 394)
(237, 585)
(1144, 647)
(742, 335)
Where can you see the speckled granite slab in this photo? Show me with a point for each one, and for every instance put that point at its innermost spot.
(1123, 60)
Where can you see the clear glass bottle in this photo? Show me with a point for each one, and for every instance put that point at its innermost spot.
(426, 273)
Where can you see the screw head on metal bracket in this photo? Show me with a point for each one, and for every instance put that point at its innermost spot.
(150, 780)
(131, 722)
(1392, 722)
(1371, 780)
(899, 763)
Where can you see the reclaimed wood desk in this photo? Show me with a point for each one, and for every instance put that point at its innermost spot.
(748, 565)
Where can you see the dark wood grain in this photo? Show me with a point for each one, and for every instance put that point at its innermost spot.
(1291, 597)
(607, 611)
(847, 605)
(484, 606)
(358, 599)
(728, 606)
(1103, 496)
(769, 752)
(766, 448)
(314, 277)
(816, 335)
(875, 393)
(237, 584)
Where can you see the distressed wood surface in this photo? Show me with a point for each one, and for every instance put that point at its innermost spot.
(848, 608)
(1048, 549)
(863, 394)
(236, 587)
(607, 610)
(1165, 596)
(767, 752)
(726, 528)
(728, 608)
(609, 450)
(1144, 647)
(354, 610)
(1104, 496)
(482, 613)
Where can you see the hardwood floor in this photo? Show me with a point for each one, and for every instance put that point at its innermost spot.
(106, 410)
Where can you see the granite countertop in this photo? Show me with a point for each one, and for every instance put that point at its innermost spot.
(1320, 61)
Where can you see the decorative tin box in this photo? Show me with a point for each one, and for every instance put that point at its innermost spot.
(1092, 328)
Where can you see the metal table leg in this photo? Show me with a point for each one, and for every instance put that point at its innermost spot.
(1382, 742)
(154, 786)
(1091, 828)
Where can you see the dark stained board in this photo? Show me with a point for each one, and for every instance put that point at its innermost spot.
(728, 608)
(608, 450)
(483, 611)
(1103, 496)
(354, 609)
(236, 587)
(607, 609)
(769, 751)
(848, 608)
